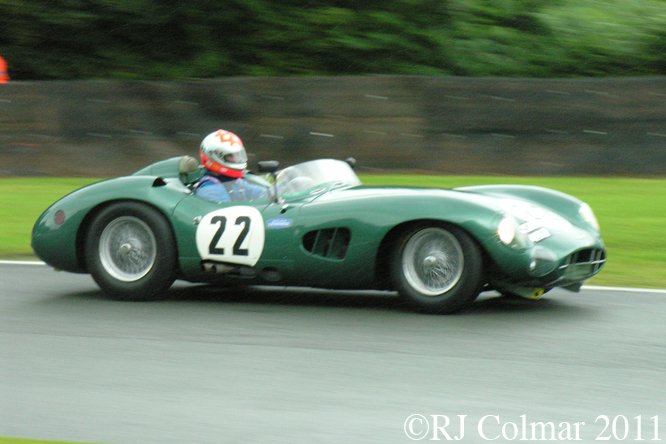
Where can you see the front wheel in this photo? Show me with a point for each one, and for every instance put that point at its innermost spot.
(131, 252)
(438, 269)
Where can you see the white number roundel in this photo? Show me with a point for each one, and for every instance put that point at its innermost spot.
(234, 235)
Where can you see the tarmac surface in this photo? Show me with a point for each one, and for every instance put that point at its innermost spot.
(265, 365)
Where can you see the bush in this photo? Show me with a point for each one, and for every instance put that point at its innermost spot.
(166, 39)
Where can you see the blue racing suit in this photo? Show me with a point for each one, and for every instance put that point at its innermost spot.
(222, 189)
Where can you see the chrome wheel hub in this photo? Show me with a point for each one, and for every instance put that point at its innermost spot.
(127, 248)
(433, 261)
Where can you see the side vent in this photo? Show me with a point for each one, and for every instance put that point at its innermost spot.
(330, 243)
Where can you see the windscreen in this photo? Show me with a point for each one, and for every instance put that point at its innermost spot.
(316, 174)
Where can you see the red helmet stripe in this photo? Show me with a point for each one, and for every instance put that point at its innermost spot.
(216, 167)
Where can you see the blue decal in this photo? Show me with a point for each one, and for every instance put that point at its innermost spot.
(279, 223)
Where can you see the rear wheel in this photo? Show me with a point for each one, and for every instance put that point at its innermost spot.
(438, 269)
(131, 252)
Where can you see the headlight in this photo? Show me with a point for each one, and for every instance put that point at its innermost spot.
(588, 215)
(509, 232)
(507, 229)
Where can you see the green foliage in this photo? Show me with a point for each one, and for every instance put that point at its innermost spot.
(167, 39)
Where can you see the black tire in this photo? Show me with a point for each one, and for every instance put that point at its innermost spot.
(437, 269)
(131, 252)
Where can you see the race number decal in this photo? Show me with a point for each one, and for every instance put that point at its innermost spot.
(234, 235)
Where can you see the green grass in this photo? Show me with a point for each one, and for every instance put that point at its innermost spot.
(33, 441)
(22, 200)
(630, 211)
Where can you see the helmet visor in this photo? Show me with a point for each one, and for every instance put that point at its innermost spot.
(238, 157)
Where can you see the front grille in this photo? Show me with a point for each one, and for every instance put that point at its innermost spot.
(584, 263)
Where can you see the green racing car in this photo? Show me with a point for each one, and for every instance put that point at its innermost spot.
(319, 227)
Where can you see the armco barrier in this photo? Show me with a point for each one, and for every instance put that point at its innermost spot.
(444, 125)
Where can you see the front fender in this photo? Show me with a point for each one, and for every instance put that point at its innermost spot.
(557, 201)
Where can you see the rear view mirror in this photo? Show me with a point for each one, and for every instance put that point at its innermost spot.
(268, 166)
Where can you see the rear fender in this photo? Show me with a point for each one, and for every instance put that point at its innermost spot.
(60, 245)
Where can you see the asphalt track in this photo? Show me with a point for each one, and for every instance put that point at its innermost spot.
(292, 366)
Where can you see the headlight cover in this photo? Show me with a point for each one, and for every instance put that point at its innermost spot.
(506, 229)
(588, 215)
(510, 234)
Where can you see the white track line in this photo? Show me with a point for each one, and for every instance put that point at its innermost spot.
(22, 263)
(633, 290)
(585, 287)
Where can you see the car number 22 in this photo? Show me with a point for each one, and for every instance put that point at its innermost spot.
(233, 235)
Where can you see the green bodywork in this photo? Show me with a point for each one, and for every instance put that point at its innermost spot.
(332, 236)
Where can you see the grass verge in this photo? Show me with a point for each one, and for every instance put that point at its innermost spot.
(33, 441)
(630, 211)
(22, 200)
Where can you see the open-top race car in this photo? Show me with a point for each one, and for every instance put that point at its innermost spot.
(319, 227)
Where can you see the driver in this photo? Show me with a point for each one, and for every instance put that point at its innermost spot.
(224, 158)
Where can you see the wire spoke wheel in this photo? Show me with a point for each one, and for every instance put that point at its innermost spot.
(131, 252)
(433, 261)
(438, 269)
(127, 248)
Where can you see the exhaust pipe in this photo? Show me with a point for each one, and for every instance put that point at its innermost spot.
(213, 267)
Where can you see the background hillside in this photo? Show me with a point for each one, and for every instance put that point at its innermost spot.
(166, 39)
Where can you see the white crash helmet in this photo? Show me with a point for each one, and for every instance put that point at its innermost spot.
(222, 152)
